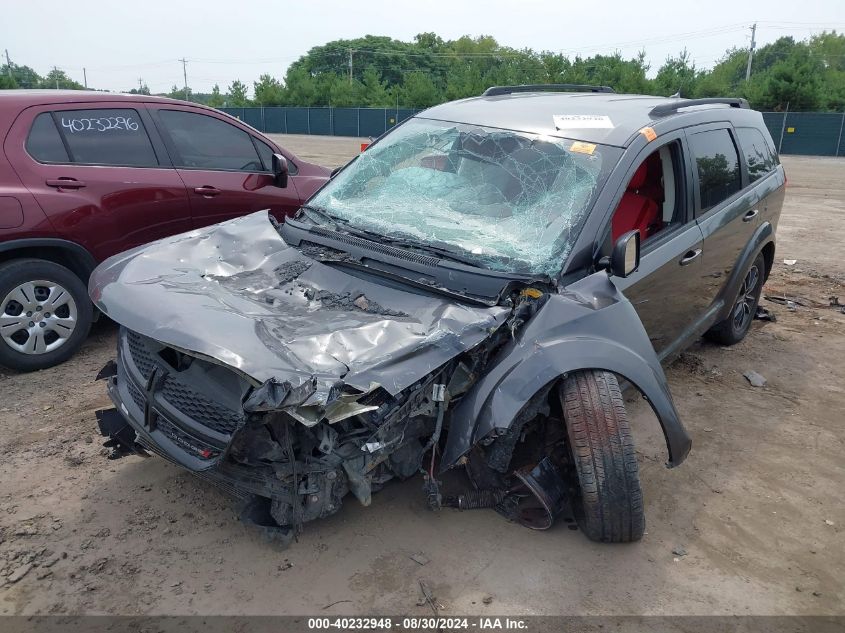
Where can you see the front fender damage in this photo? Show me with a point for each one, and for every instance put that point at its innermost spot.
(300, 388)
(590, 325)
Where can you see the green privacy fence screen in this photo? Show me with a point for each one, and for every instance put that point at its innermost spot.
(324, 121)
(808, 133)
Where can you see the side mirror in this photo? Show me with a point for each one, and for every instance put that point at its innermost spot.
(280, 171)
(625, 258)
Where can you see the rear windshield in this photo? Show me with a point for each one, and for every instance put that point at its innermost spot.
(508, 200)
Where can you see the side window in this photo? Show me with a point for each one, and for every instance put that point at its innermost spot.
(653, 201)
(266, 152)
(758, 153)
(205, 142)
(44, 143)
(717, 163)
(115, 137)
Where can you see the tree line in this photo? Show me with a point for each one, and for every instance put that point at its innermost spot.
(377, 71)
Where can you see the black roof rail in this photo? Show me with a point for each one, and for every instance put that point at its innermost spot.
(493, 91)
(665, 109)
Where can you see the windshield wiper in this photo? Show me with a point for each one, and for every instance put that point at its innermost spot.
(310, 210)
(446, 253)
(342, 224)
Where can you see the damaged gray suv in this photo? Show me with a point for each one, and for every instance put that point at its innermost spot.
(468, 292)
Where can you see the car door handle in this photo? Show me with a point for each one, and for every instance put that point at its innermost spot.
(64, 183)
(689, 256)
(207, 190)
(750, 215)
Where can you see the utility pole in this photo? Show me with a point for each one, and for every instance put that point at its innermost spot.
(56, 71)
(751, 51)
(8, 64)
(140, 84)
(85, 77)
(350, 64)
(185, 75)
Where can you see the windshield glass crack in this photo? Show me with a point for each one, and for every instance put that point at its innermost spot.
(505, 200)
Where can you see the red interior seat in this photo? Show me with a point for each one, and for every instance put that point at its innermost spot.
(638, 208)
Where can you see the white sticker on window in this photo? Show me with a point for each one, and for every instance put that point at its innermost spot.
(581, 121)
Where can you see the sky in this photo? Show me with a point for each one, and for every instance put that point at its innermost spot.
(118, 43)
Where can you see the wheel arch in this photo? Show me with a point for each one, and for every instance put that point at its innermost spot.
(69, 254)
(501, 398)
(763, 241)
(769, 257)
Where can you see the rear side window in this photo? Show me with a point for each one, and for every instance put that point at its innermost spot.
(44, 142)
(759, 155)
(113, 136)
(717, 163)
(204, 142)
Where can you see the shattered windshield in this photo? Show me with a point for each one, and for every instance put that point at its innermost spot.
(506, 200)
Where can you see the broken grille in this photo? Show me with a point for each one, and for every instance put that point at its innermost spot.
(141, 356)
(182, 397)
(199, 408)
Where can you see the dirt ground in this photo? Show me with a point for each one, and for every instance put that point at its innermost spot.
(752, 523)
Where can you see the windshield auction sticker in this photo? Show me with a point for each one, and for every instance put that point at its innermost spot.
(582, 121)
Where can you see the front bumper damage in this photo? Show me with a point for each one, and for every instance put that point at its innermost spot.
(290, 381)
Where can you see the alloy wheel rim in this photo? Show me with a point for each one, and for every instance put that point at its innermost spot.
(743, 310)
(37, 317)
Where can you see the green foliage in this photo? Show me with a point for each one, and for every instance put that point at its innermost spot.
(180, 93)
(429, 70)
(7, 82)
(805, 75)
(419, 91)
(143, 89)
(268, 91)
(216, 99)
(22, 77)
(236, 96)
(677, 75)
(58, 79)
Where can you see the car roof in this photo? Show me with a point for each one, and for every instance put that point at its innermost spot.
(24, 98)
(595, 117)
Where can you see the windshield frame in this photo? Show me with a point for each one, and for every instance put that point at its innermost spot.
(611, 155)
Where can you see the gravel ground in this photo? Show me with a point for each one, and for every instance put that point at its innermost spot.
(752, 523)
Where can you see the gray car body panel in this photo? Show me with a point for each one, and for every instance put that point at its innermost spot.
(590, 325)
(225, 293)
(218, 293)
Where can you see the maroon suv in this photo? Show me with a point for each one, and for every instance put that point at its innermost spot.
(85, 175)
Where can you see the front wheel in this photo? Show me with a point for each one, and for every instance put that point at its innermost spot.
(608, 501)
(735, 326)
(45, 314)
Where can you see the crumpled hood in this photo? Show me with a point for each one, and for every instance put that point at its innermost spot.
(237, 293)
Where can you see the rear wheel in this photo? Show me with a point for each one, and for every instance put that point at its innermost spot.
(608, 500)
(45, 314)
(736, 325)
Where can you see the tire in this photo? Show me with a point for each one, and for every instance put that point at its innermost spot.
(606, 481)
(733, 329)
(29, 288)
